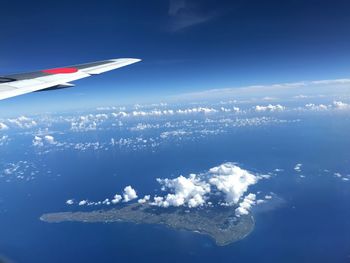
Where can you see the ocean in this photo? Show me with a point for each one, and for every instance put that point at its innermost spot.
(306, 220)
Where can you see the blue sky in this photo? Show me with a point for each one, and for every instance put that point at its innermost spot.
(186, 46)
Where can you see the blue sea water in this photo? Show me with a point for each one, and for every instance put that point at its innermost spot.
(308, 219)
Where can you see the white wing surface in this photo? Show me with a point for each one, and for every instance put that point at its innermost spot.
(19, 84)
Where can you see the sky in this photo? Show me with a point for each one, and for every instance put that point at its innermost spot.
(186, 46)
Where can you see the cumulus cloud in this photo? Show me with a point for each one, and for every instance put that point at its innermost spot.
(224, 185)
(88, 122)
(176, 133)
(144, 200)
(204, 110)
(227, 180)
(83, 202)
(314, 107)
(189, 191)
(129, 194)
(165, 112)
(23, 122)
(269, 107)
(41, 141)
(106, 201)
(49, 139)
(70, 202)
(232, 181)
(3, 126)
(341, 105)
(116, 199)
(245, 206)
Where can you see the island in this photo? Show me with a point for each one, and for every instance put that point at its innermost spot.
(220, 223)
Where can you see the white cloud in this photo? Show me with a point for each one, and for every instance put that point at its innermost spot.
(3, 126)
(144, 200)
(106, 201)
(341, 105)
(83, 202)
(23, 122)
(232, 181)
(189, 191)
(196, 190)
(38, 141)
(50, 139)
(268, 197)
(70, 202)
(225, 184)
(88, 122)
(245, 206)
(119, 114)
(236, 109)
(292, 90)
(301, 96)
(116, 199)
(204, 110)
(260, 201)
(338, 175)
(21, 170)
(269, 107)
(168, 112)
(314, 107)
(129, 194)
(297, 167)
(342, 177)
(176, 133)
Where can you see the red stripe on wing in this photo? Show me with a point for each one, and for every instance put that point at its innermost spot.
(60, 70)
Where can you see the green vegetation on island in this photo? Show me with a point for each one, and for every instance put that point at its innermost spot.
(220, 223)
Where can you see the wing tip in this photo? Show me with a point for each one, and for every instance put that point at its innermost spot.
(126, 60)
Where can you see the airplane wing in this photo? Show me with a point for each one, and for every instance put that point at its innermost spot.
(57, 78)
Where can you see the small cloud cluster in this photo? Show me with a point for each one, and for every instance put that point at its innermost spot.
(339, 105)
(23, 122)
(226, 180)
(41, 141)
(166, 112)
(336, 105)
(21, 170)
(314, 107)
(245, 206)
(224, 185)
(297, 167)
(88, 122)
(342, 177)
(144, 200)
(129, 194)
(269, 108)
